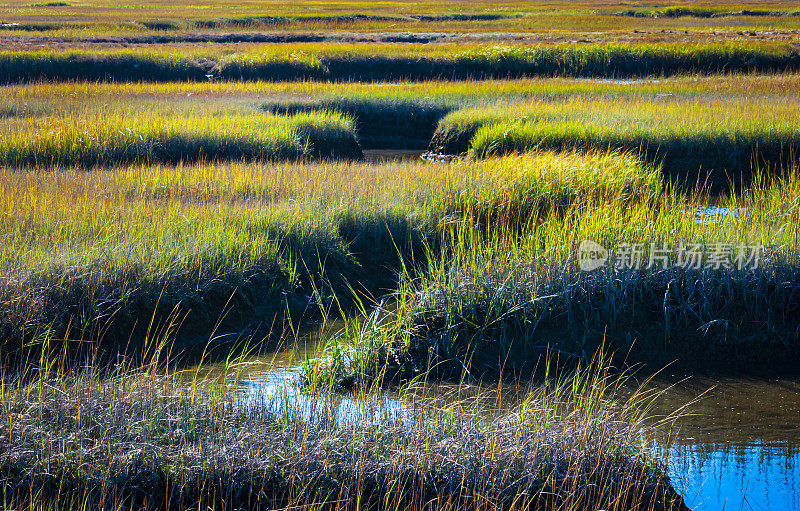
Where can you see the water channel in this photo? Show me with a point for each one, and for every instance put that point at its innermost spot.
(736, 447)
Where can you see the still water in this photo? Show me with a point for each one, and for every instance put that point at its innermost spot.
(740, 448)
(736, 448)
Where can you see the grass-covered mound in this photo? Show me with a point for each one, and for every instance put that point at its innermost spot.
(399, 63)
(692, 140)
(504, 302)
(696, 11)
(396, 123)
(162, 441)
(685, 157)
(113, 257)
(98, 140)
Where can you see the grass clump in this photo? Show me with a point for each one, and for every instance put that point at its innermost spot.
(685, 155)
(520, 189)
(148, 139)
(454, 134)
(397, 123)
(27, 66)
(712, 142)
(500, 302)
(676, 11)
(694, 11)
(352, 63)
(160, 441)
(159, 25)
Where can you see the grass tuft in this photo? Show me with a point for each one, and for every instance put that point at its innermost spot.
(146, 439)
(501, 302)
(381, 123)
(86, 142)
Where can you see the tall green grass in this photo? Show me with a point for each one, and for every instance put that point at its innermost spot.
(724, 137)
(89, 254)
(354, 64)
(500, 302)
(92, 140)
(686, 156)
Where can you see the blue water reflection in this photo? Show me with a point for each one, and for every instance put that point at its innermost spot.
(739, 449)
(278, 392)
(757, 477)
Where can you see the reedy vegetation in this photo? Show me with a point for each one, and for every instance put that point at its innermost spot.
(163, 22)
(126, 439)
(33, 98)
(130, 248)
(88, 254)
(95, 139)
(354, 62)
(689, 137)
(503, 302)
(273, 238)
(677, 11)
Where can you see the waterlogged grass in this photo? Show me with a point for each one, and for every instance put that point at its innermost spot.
(146, 438)
(90, 254)
(96, 139)
(504, 302)
(354, 62)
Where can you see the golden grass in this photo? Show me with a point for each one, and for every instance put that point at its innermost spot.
(505, 299)
(356, 61)
(560, 19)
(110, 247)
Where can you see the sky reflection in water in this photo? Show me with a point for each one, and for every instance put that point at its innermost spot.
(739, 450)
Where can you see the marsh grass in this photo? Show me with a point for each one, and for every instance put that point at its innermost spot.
(686, 157)
(499, 302)
(94, 139)
(123, 438)
(342, 19)
(381, 123)
(692, 140)
(512, 21)
(695, 11)
(353, 63)
(88, 254)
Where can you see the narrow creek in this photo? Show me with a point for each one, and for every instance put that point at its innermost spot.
(737, 447)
